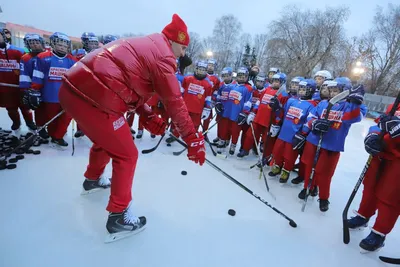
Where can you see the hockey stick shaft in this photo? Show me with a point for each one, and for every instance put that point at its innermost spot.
(35, 133)
(9, 85)
(291, 222)
(73, 141)
(346, 230)
(260, 158)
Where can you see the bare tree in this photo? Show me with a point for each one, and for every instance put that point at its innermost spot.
(306, 38)
(260, 44)
(224, 39)
(380, 51)
(195, 49)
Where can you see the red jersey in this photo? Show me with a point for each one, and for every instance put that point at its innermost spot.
(197, 93)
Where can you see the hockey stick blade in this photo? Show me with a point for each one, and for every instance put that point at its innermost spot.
(147, 151)
(390, 260)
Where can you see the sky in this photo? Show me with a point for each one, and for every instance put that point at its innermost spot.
(123, 16)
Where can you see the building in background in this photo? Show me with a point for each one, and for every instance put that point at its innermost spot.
(18, 32)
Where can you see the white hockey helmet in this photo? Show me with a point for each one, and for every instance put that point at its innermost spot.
(323, 73)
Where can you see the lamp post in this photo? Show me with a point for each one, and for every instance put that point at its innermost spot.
(209, 53)
(358, 70)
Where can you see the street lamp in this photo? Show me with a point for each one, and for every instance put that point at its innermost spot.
(209, 53)
(358, 63)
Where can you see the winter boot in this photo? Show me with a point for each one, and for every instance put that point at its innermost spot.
(284, 176)
(91, 186)
(373, 242)
(358, 222)
(124, 224)
(275, 171)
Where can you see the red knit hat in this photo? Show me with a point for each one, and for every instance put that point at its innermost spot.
(176, 31)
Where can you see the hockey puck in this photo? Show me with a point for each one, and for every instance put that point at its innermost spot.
(19, 152)
(13, 160)
(19, 157)
(29, 151)
(11, 166)
(232, 212)
(36, 152)
(44, 141)
(184, 172)
(168, 144)
(3, 163)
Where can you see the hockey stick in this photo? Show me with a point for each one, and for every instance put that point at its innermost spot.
(390, 260)
(35, 133)
(346, 230)
(291, 222)
(147, 151)
(331, 103)
(73, 141)
(9, 85)
(260, 158)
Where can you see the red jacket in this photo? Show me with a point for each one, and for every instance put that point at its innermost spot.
(121, 76)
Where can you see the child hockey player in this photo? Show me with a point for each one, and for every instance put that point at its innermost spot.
(295, 115)
(333, 132)
(236, 104)
(381, 183)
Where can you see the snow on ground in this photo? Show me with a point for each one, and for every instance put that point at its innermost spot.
(46, 222)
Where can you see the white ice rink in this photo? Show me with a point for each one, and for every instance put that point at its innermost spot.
(46, 222)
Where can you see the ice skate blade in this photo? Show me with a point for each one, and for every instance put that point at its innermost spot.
(121, 235)
(363, 251)
(221, 156)
(361, 228)
(60, 148)
(84, 192)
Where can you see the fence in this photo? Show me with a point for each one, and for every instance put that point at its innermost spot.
(377, 103)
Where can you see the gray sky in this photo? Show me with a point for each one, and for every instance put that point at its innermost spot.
(121, 16)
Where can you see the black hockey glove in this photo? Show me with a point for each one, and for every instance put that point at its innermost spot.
(321, 125)
(242, 118)
(219, 107)
(372, 144)
(275, 104)
(298, 141)
(32, 98)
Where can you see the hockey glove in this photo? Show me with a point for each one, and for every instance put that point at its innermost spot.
(321, 125)
(206, 113)
(298, 141)
(196, 148)
(390, 124)
(250, 118)
(241, 118)
(219, 107)
(32, 98)
(372, 144)
(356, 95)
(275, 104)
(154, 124)
(274, 131)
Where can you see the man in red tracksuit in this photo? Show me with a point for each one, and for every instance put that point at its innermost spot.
(381, 183)
(117, 78)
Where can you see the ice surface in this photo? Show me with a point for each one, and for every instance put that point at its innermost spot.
(46, 222)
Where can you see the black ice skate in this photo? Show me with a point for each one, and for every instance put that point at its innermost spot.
(323, 205)
(121, 225)
(357, 223)
(297, 180)
(59, 143)
(79, 134)
(373, 242)
(91, 186)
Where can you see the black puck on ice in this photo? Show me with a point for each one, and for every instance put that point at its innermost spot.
(168, 144)
(13, 160)
(232, 212)
(19, 157)
(29, 151)
(19, 152)
(11, 166)
(36, 152)
(184, 172)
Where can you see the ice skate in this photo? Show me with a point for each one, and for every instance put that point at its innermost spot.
(125, 224)
(91, 186)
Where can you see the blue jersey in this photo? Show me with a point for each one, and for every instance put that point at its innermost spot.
(342, 115)
(295, 115)
(17, 48)
(79, 53)
(316, 96)
(26, 70)
(236, 98)
(47, 74)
